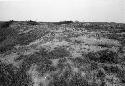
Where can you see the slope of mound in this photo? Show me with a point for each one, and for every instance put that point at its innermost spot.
(73, 54)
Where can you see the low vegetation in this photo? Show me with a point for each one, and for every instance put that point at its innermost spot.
(63, 22)
(10, 76)
(87, 61)
(6, 24)
(30, 22)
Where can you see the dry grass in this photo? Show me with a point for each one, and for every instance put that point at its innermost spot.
(65, 53)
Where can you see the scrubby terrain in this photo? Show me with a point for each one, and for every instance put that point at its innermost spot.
(62, 53)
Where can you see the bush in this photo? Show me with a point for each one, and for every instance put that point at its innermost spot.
(6, 24)
(58, 53)
(30, 22)
(43, 63)
(63, 22)
(26, 38)
(9, 77)
(6, 48)
(104, 56)
(7, 32)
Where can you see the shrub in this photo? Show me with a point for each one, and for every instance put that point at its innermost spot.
(7, 32)
(30, 22)
(58, 53)
(63, 22)
(6, 24)
(6, 48)
(25, 39)
(104, 56)
(9, 77)
(79, 61)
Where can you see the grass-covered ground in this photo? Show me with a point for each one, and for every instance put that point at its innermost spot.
(62, 53)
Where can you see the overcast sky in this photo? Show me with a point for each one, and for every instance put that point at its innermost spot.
(59, 10)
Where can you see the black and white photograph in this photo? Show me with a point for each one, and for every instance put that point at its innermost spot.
(62, 42)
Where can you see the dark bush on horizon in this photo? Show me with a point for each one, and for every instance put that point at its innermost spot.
(30, 22)
(63, 22)
(7, 24)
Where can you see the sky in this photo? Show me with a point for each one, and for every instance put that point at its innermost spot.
(60, 10)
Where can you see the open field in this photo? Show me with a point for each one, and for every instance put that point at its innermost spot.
(63, 53)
